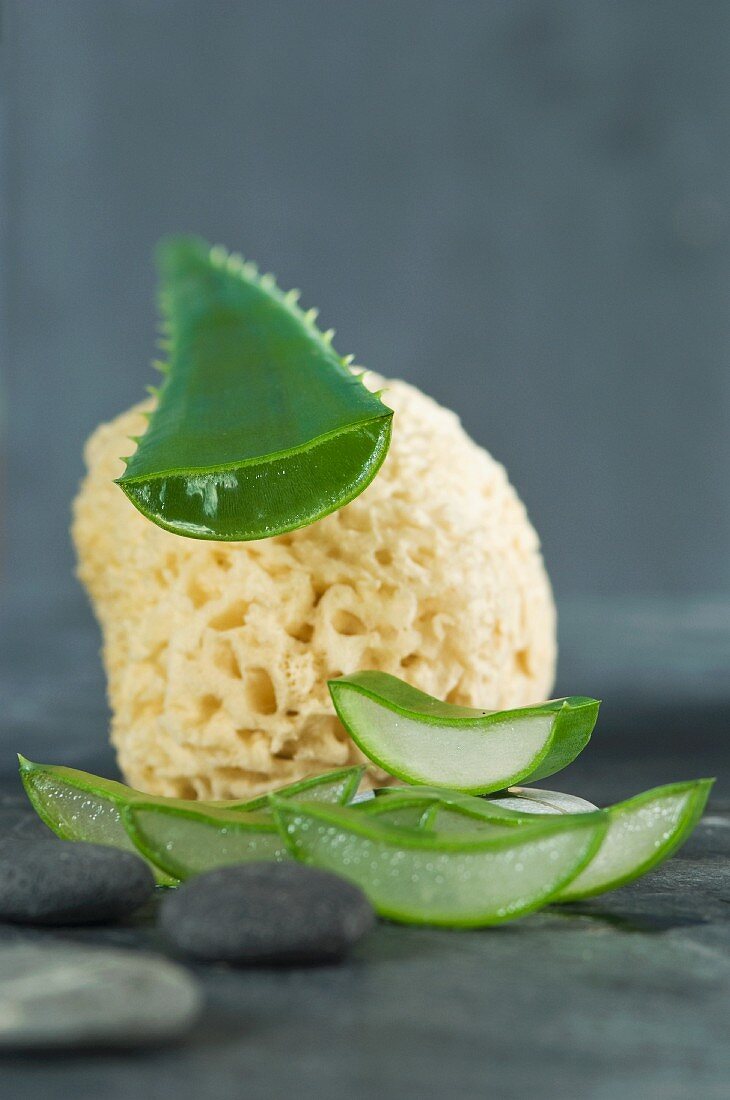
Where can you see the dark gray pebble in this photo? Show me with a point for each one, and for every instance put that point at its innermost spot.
(60, 995)
(48, 881)
(266, 913)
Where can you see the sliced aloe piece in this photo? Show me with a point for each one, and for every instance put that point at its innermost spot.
(260, 426)
(405, 812)
(422, 740)
(452, 811)
(642, 832)
(186, 840)
(486, 809)
(80, 806)
(419, 877)
(447, 811)
(337, 786)
(534, 800)
(453, 818)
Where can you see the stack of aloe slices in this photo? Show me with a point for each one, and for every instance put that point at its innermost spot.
(430, 852)
(178, 837)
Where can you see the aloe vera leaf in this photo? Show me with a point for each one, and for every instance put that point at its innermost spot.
(337, 786)
(406, 812)
(186, 840)
(80, 806)
(419, 877)
(437, 815)
(486, 809)
(534, 800)
(424, 741)
(455, 814)
(457, 819)
(451, 811)
(260, 427)
(642, 832)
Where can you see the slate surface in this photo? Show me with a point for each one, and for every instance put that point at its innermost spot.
(626, 996)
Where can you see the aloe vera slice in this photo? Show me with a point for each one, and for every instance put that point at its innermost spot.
(460, 812)
(486, 809)
(405, 812)
(80, 806)
(534, 800)
(337, 786)
(422, 740)
(419, 877)
(260, 427)
(186, 840)
(642, 832)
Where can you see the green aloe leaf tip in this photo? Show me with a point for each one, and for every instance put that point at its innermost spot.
(260, 426)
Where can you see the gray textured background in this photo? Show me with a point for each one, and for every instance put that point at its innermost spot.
(522, 207)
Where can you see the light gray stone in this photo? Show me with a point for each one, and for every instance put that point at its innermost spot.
(59, 995)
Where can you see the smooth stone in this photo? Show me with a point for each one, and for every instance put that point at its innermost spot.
(266, 912)
(59, 995)
(50, 881)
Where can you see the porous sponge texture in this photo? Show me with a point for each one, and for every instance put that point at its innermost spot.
(218, 654)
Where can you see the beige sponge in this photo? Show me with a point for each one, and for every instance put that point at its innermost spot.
(218, 654)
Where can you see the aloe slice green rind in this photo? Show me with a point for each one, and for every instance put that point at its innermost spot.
(186, 841)
(338, 786)
(642, 832)
(409, 813)
(424, 741)
(441, 817)
(418, 877)
(485, 808)
(76, 805)
(260, 427)
(186, 838)
(456, 812)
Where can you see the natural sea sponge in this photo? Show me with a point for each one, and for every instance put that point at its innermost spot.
(218, 654)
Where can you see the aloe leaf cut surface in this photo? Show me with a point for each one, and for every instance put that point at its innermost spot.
(534, 800)
(422, 878)
(642, 832)
(80, 806)
(187, 840)
(424, 741)
(260, 427)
